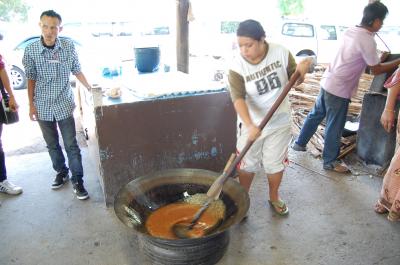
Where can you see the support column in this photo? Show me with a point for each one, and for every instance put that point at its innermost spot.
(182, 36)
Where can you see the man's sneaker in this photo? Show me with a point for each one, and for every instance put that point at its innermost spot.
(80, 191)
(299, 148)
(59, 180)
(9, 188)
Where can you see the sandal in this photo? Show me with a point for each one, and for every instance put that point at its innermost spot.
(379, 208)
(393, 216)
(338, 167)
(279, 207)
(244, 219)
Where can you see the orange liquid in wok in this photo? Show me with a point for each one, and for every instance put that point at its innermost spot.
(160, 223)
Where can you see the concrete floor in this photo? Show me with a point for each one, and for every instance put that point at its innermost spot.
(331, 221)
(331, 218)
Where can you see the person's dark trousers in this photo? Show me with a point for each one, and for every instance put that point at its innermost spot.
(3, 171)
(68, 133)
(334, 108)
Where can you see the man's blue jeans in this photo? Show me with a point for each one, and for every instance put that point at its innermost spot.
(334, 108)
(68, 133)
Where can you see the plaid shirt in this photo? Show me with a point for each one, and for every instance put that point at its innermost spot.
(51, 69)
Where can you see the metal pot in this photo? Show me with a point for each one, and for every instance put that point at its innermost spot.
(136, 200)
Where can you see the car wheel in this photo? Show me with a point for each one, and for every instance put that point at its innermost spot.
(218, 75)
(18, 78)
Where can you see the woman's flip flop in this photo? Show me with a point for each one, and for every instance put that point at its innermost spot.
(279, 206)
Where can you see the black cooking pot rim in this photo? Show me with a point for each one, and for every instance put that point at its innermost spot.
(147, 193)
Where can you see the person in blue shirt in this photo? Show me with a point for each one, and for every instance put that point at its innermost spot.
(48, 64)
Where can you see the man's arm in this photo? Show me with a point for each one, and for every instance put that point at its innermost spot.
(384, 67)
(82, 78)
(31, 93)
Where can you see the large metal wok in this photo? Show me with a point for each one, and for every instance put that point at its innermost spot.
(136, 200)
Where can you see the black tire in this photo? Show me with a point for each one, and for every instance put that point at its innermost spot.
(218, 76)
(17, 78)
(201, 251)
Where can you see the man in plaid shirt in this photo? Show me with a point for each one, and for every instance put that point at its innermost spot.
(48, 64)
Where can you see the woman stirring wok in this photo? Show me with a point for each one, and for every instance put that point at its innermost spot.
(257, 76)
(389, 200)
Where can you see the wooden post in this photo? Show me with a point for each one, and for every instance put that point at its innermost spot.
(182, 36)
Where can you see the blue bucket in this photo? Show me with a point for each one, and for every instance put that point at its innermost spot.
(147, 59)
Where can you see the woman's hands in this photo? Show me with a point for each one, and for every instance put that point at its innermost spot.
(387, 119)
(254, 132)
(242, 110)
(13, 104)
(303, 67)
(388, 114)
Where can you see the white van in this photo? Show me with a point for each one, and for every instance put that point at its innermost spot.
(305, 38)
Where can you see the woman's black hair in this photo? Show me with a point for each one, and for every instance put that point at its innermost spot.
(250, 28)
(375, 10)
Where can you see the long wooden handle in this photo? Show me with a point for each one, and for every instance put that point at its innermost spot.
(230, 160)
(216, 187)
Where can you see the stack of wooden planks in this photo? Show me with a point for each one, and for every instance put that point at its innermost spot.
(302, 99)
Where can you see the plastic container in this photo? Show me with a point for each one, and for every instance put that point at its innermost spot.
(147, 59)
